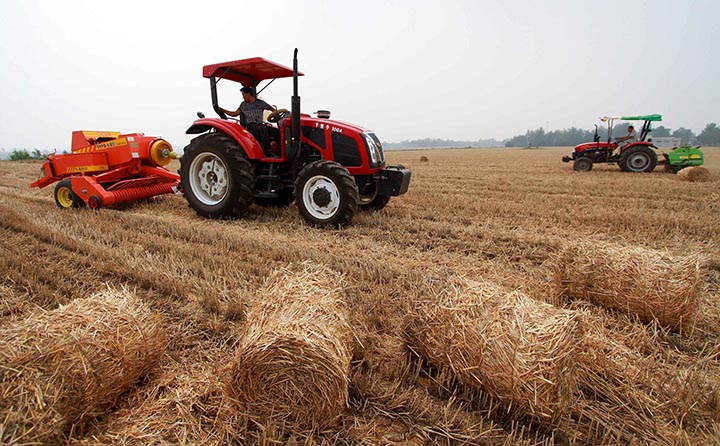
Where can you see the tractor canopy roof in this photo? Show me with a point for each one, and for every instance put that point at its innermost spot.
(249, 72)
(642, 118)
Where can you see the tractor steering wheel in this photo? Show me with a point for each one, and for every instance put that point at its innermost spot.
(276, 115)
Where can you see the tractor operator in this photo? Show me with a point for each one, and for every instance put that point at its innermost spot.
(252, 110)
(627, 139)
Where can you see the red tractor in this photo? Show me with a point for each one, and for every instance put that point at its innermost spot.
(637, 156)
(329, 168)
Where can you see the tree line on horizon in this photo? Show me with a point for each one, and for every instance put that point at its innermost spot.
(710, 136)
(23, 154)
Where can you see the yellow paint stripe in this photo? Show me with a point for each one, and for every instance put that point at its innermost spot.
(95, 135)
(87, 168)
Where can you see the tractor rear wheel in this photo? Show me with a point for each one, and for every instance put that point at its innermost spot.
(65, 198)
(583, 164)
(216, 177)
(638, 159)
(326, 194)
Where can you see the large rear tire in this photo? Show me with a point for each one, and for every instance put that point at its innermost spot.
(216, 177)
(326, 194)
(638, 159)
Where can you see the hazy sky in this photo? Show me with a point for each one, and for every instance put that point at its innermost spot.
(452, 69)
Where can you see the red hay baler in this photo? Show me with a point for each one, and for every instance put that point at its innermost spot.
(107, 168)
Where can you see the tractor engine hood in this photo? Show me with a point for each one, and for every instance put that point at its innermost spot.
(332, 124)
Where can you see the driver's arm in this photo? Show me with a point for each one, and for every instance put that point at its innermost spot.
(231, 113)
(267, 106)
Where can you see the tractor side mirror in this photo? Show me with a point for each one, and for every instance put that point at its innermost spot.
(200, 115)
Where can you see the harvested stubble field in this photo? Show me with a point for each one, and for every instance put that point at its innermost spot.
(462, 313)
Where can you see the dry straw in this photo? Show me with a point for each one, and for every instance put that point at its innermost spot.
(292, 361)
(60, 369)
(694, 173)
(649, 284)
(514, 348)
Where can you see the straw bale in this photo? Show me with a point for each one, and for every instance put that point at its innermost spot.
(383, 354)
(646, 283)
(424, 159)
(694, 173)
(516, 349)
(292, 361)
(59, 369)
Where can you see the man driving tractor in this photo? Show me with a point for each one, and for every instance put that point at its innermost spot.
(625, 140)
(251, 115)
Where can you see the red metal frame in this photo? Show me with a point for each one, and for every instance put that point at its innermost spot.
(248, 72)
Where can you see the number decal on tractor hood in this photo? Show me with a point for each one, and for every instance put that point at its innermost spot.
(328, 126)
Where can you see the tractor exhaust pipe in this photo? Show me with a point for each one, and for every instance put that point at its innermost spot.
(295, 110)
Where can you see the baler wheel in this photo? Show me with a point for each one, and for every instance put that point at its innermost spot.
(94, 202)
(216, 177)
(65, 198)
(326, 194)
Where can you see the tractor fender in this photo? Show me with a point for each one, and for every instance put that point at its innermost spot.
(233, 130)
(639, 143)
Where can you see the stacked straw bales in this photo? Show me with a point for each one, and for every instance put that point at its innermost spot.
(514, 348)
(59, 369)
(292, 363)
(694, 173)
(649, 284)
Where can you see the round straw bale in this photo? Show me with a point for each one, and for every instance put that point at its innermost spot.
(505, 343)
(292, 363)
(61, 368)
(637, 281)
(694, 173)
(424, 159)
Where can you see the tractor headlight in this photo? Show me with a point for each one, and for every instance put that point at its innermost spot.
(374, 149)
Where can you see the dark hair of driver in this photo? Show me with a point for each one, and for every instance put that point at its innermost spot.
(250, 90)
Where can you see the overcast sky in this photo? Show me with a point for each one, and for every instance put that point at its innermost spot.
(452, 69)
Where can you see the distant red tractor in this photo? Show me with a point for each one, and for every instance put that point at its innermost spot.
(637, 156)
(329, 168)
(108, 168)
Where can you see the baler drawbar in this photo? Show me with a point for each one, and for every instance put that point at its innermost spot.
(107, 168)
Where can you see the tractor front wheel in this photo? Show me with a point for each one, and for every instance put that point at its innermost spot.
(65, 198)
(638, 159)
(326, 194)
(583, 164)
(216, 177)
(373, 201)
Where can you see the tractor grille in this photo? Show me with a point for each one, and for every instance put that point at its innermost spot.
(347, 151)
